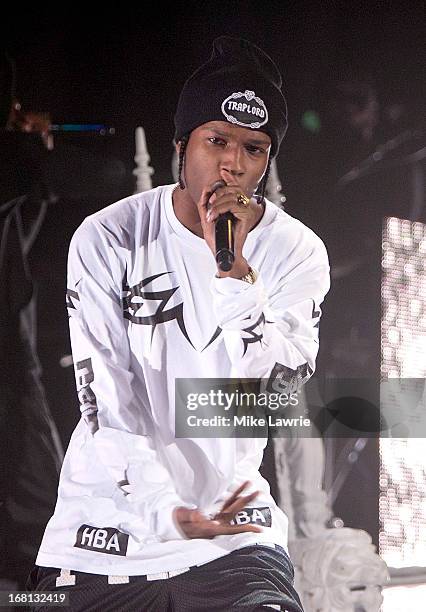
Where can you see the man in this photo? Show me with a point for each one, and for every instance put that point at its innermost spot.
(146, 520)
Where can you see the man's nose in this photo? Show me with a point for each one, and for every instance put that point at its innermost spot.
(233, 160)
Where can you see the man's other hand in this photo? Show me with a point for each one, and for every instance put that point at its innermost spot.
(195, 524)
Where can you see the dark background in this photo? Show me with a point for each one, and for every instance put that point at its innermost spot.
(125, 67)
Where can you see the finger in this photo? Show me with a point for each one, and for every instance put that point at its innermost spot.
(204, 198)
(213, 189)
(213, 529)
(237, 505)
(235, 494)
(241, 502)
(226, 196)
(228, 205)
(210, 529)
(225, 190)
(232, 194)
(203, 203)
(229, 178)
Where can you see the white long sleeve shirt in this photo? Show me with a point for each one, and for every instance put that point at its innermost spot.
(145, 309)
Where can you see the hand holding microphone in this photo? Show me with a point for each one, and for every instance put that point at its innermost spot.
(228, 219)
(224, 235)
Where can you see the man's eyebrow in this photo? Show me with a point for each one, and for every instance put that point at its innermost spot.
(253, 141)
(256, 141)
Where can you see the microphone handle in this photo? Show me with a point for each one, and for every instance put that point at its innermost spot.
(224, 235)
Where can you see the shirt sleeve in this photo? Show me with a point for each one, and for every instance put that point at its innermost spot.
(111, 401)
(271, 327)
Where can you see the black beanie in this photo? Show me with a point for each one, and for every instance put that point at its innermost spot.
(241, 84)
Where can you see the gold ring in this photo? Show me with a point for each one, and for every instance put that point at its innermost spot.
(243, 200)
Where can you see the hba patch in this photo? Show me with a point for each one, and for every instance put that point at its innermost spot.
(257, 516)
(102, 539)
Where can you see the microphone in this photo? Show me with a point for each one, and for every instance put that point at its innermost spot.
(224, 235)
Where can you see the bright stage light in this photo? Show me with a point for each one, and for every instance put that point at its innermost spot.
(402, 503)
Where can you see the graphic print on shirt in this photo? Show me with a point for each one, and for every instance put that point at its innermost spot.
(70, 299)
(87, 398)
(133, 300)
(217, 333)
(286, 380)
(102, 539)
(255, 336)
(315, 313)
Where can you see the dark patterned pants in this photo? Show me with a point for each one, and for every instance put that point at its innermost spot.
(252, 578)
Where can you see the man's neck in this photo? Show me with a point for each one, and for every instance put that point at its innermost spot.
(186, 211)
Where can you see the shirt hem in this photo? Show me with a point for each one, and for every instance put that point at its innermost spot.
(138, 568)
